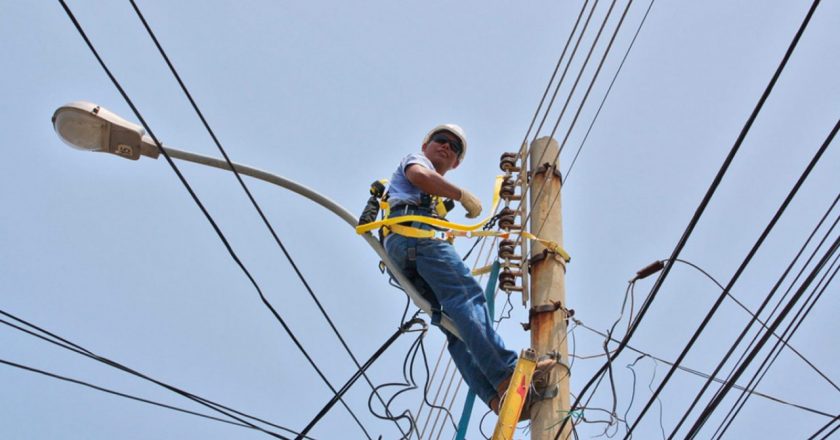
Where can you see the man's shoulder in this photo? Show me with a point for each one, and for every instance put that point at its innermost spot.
(415, 158)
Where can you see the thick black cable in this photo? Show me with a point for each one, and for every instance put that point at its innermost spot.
(780, 301)
(606, 95)
(734, 279)
(117, 393)
(707, 376)
(699, 211)
(716, 400)
(775, 351)
(400, 331)
(203, 209)
(824, 427)
(67, 345)
(763, 323)
(246, 189)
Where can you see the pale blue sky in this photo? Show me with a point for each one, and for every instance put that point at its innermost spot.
(114, 255)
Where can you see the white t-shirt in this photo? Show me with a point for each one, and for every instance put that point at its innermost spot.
(401, 190)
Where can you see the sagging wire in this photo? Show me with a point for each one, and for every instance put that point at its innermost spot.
(650, 387)
(405, 328)
(763, 323)
(409, 383)
(707, 376)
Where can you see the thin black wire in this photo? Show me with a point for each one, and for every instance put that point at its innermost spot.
(583, 67)
(716, 400)
(565, 70)
(117, 393)
(706, 376)
(248, 191)
(698, 212)
(734, 279)
(607, 94)
(583, 100)
(68, 345)
(775, 351)
(203, 209)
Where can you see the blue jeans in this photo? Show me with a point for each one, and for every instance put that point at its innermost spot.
(438, 273)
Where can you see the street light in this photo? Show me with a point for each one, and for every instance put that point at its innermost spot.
(87, 126)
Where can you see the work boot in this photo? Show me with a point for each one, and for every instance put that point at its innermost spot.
(542, 375)
(525, 414)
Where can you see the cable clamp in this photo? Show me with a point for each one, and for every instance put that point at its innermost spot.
(545, 308)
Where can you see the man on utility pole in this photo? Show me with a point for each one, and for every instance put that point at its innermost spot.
(438, 272)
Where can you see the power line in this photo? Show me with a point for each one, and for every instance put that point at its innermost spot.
(825, 427)
(250, 196)
(698, 212)
(557, 67)
(607, 94)
(201, 206)
(771, 358)
(817, 156)
(716, 400)
(764, 324)
(707, 376)
(117, 393)
(71, 346)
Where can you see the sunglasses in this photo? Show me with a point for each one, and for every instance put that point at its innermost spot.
(454, 144)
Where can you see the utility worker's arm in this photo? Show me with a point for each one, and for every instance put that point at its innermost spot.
(430, 182)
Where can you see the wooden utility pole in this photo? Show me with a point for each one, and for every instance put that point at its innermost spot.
(548, 313)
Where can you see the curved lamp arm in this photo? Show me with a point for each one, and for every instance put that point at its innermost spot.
(87, 126)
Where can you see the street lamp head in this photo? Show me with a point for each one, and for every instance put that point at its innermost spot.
(87, 126)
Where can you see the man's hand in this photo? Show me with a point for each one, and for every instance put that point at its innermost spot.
(470, 203)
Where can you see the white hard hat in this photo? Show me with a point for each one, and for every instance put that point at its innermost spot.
(454, 129)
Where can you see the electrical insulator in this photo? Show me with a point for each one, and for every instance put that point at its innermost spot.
(508, 188)
(507, 280)
(506, 249)
(508, 162)
(507, 218)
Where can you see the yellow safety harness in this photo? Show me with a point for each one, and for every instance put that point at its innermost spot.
(447, 230)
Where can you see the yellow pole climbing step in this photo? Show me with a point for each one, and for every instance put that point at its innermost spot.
(514, 397)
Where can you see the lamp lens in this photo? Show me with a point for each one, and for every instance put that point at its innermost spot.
(81, 131)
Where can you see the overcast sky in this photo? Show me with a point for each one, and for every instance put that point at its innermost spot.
(115, 256)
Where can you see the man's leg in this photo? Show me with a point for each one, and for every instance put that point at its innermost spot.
(462, 299)
(470, 371)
